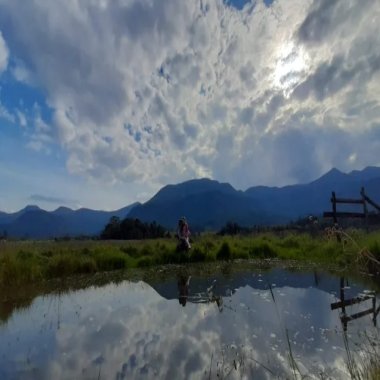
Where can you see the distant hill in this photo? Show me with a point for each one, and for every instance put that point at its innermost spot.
(6, 218)
(35, 223)
(207, 204)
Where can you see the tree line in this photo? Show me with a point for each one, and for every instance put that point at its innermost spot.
(132, 229)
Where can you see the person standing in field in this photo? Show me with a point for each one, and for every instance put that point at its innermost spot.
(183, 233)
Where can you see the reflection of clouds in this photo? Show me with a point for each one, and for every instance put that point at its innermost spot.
(133, 340)
(130, 332)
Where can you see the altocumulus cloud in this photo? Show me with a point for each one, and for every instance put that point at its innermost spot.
(143, 90)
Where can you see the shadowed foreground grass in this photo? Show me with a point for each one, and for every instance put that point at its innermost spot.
(30, 261)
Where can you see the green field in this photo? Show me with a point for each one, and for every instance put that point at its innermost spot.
(33, 261)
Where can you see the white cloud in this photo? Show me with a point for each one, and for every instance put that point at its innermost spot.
(40, 136)
(21, 118)
(143, 91)
(21, 73)
(4, 54)
(5, 114)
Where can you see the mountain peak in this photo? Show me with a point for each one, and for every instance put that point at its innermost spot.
(193, 186)
(31, 208)
(333, 171)
(332, 175)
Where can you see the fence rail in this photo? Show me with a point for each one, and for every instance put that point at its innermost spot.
(364, 201)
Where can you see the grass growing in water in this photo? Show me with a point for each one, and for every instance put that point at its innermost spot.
(362, 358)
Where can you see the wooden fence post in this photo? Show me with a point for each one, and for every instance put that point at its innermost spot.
(333, 201)
(365, 209)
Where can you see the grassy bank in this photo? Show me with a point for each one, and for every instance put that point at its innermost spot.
(29, 261)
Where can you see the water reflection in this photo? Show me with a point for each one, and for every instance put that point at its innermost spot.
(361, 298)
(172, 327)
(183, 288)
(206, 295)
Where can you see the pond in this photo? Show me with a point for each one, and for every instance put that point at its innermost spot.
(194, 323)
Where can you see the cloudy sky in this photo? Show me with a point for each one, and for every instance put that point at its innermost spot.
(104, 101)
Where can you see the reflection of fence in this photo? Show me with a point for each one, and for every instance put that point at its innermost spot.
(364, 201)
(343, 303)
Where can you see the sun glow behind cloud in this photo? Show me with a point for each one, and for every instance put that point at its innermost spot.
(292, 64)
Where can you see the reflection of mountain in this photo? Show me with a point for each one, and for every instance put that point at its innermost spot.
(225, 286)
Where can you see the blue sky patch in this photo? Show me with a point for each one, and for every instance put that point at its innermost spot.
(16, 95)
(239, 4)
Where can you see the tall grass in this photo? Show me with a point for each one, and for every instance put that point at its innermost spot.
(28, 261)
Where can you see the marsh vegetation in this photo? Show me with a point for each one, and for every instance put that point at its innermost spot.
(33, 261)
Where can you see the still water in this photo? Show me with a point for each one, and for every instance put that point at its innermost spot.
(191, 323)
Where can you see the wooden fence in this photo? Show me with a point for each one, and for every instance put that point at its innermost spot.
(364, 201)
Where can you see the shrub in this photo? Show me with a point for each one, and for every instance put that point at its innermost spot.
(240, 254)
(64, 265)
(110, 261)
(145, 262)
(208, 246)
(131, 251)
(374, 248)
(10, 270)
(146, 251)
(290, 242)
(197, 255)
(86, 251)
(263, 250)
(86, 265)
(60, 265)
(224, 252)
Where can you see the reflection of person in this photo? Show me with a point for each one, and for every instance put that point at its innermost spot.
(183, 233)
(183, 289)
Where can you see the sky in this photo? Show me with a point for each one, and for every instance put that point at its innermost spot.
(103, 102)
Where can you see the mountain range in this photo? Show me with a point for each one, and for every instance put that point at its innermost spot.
(207, 204)
(34, 223)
